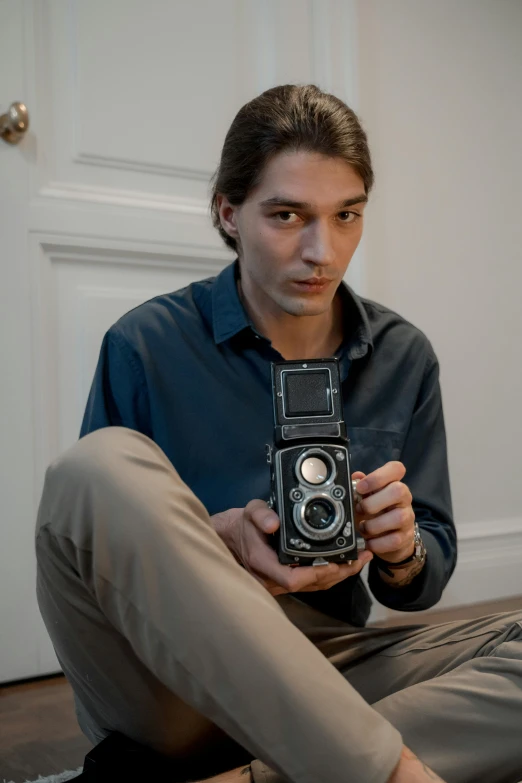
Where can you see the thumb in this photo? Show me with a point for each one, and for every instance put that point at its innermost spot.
(262, 516)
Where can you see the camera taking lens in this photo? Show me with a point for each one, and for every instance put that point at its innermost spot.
(320, 514)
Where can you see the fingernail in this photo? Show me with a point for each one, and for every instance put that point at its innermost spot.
(362, 486)
(358, 508)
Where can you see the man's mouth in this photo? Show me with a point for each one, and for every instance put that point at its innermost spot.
(313, 284)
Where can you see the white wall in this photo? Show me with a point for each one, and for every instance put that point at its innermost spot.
(440, 95)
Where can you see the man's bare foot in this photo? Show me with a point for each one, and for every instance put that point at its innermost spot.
(238, 775)
(411, 769)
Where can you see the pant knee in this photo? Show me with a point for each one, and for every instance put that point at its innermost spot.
(97, 453)
(95, 464)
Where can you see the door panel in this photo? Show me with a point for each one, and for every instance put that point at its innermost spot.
(105, 205)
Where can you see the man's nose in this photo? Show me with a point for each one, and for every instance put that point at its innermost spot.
(318, 245)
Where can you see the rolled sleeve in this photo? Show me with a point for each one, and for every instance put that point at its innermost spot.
(424, 455)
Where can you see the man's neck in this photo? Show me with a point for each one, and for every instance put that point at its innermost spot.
(299, 337)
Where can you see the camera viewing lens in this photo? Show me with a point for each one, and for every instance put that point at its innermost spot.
(314, 470)
(319, 514)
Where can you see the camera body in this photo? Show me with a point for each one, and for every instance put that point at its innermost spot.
(311, 486)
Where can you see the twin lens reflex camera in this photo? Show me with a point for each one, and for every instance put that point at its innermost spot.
(311, 487)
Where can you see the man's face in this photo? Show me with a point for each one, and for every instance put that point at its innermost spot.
(302, 222)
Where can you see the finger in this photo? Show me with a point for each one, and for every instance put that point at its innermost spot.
(272, 587)
(263, 560)
(325, 582)
(292, 579)
(391, 544)
(277, 591)
(395, 494)
(262, 516)
(354, 568)
(392, 471)
(311, 578)
(398, 520)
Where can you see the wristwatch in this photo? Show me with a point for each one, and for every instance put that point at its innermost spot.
(418, 556)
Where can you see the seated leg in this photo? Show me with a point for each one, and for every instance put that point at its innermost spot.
(168, 640)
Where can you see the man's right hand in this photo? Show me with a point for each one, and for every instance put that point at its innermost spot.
(245, 531)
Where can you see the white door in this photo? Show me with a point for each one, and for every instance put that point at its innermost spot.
(104, 204)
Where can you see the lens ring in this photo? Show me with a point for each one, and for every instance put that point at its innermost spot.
(315, 534)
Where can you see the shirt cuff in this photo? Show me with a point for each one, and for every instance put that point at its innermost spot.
(425, 589)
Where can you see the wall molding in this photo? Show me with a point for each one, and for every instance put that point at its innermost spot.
(72, 191)
(45, 253)
(140, 166)
(185, 258)
(489, 565)
(499, 529)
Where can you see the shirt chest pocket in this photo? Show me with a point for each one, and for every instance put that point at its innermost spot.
(371, 448)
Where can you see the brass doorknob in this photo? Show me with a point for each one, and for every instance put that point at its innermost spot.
(14, 123)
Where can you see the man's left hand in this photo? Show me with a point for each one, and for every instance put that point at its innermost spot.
(385, 517)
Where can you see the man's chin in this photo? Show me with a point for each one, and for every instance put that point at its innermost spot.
(301, 306)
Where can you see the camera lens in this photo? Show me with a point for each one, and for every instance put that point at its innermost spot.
(319, 514)
(314, 470)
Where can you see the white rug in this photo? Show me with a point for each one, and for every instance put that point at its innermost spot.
(63, 776)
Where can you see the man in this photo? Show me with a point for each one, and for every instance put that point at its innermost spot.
(169, 611)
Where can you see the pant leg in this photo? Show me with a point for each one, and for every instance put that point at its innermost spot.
(163, 635)
(454, 690)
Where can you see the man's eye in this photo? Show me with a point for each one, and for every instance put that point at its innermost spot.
(282, 217)
(280, 214)
(352, 217)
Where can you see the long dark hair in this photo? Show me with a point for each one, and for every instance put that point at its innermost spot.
(285, 118)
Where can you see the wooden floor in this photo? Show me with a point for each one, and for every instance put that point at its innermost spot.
(39, 734)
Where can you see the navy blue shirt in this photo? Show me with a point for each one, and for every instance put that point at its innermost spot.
(189, 370)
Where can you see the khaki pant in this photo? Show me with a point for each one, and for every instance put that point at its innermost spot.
(166, 639)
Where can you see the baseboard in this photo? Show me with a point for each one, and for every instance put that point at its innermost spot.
(489, 564)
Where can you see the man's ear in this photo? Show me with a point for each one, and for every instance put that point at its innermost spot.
(227, 216)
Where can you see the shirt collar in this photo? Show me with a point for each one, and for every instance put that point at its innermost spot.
(229, 316)
(359, 339)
